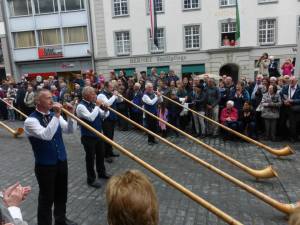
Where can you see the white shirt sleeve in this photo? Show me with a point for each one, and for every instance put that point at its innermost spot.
(107, 101)
(146, 99)
(15, 212)
(83, 112)
(67, 126)
(33, 128)
(104, 114)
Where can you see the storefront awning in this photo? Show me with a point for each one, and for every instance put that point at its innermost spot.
(159, 69)
(34, 75)
(195, 69)
(128, 71)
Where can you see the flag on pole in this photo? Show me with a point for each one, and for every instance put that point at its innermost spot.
(153, 18)
(238, 24)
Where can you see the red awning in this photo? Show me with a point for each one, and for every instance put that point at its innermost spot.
(45, 75)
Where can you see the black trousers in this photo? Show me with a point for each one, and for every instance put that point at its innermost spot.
(93, 150)
(152, 125)
(137, 117)
(53, 184)
(108, 127)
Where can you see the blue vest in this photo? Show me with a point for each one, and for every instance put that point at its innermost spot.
(137, 99)
(151, 108)
(97, 123)
(112, 116)
(48, 152)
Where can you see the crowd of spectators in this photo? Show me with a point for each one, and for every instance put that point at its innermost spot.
(266, 108)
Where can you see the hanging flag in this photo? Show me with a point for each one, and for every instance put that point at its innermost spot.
(153, 18)
(238, 27)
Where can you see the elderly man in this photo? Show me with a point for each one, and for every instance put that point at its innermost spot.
(290, 95)
(90, 112)
(151, 100)
(136, 98)
(229, 117)
(109, 97)
(29, 100)
(44, 130)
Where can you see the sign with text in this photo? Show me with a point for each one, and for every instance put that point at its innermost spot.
(50, 52)
(158, 59)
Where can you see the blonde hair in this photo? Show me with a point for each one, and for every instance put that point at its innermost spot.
(131, 200)
(295, 218)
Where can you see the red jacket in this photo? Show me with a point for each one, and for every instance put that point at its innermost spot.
(233, 114)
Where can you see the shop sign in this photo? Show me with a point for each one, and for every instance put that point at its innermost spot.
(50, 52)
(34, 75)
(158, 59)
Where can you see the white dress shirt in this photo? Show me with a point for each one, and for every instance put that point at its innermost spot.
(109, 101)
(15, 212)
(84, 113)
(146, 99)
(33, 127)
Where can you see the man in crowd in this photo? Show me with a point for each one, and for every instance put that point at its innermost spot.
(109, 97)
(290, 95)
(29, 100)
(151, 100)
(44, 129)
(90, 112)
(212, 107)
(136, 98)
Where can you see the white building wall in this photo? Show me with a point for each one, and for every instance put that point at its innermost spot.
(174, 18)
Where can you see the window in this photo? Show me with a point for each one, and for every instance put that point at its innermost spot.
(75, 35)
(160, 34)
(120, 7)
(191, 4)
(20, 7)
(49, 37)
(224, 3)
(192, 37)
(228, 30)
(159, 6)
(69, 5)
(267, 32)
(45, 6)
(122, 43)
(24, 39)
(266, 1)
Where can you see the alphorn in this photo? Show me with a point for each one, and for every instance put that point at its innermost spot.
(278, 152)
(17, 110)
(19, 131)
(222, 215)
(282, 207)
(266, 173)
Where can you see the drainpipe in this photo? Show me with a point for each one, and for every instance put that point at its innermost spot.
(92, 52)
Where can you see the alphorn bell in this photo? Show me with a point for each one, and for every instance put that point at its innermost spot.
(282, 207)
(266, 173)
(19, 131)
(222, 215)
(278, 152)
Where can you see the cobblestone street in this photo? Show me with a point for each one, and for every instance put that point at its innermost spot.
(87, 206)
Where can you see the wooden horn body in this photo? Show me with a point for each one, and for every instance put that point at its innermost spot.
(17, 110)
(282, 207)
(15, 133)
(278, 152)
(222, 215)
(266, 173)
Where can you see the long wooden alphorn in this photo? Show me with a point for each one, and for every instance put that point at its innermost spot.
(282, 207)
(266, 173)
(278, 152)
(222, 215)
(17, 110)
(16, 133)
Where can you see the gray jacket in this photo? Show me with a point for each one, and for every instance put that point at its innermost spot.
(271, 106)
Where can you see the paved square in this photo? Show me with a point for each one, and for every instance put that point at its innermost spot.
(87, 206)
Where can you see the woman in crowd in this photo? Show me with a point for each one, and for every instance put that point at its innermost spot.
(287, 68)
(229, 118)
(239, 96)
(263, 64)
(271, 103)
